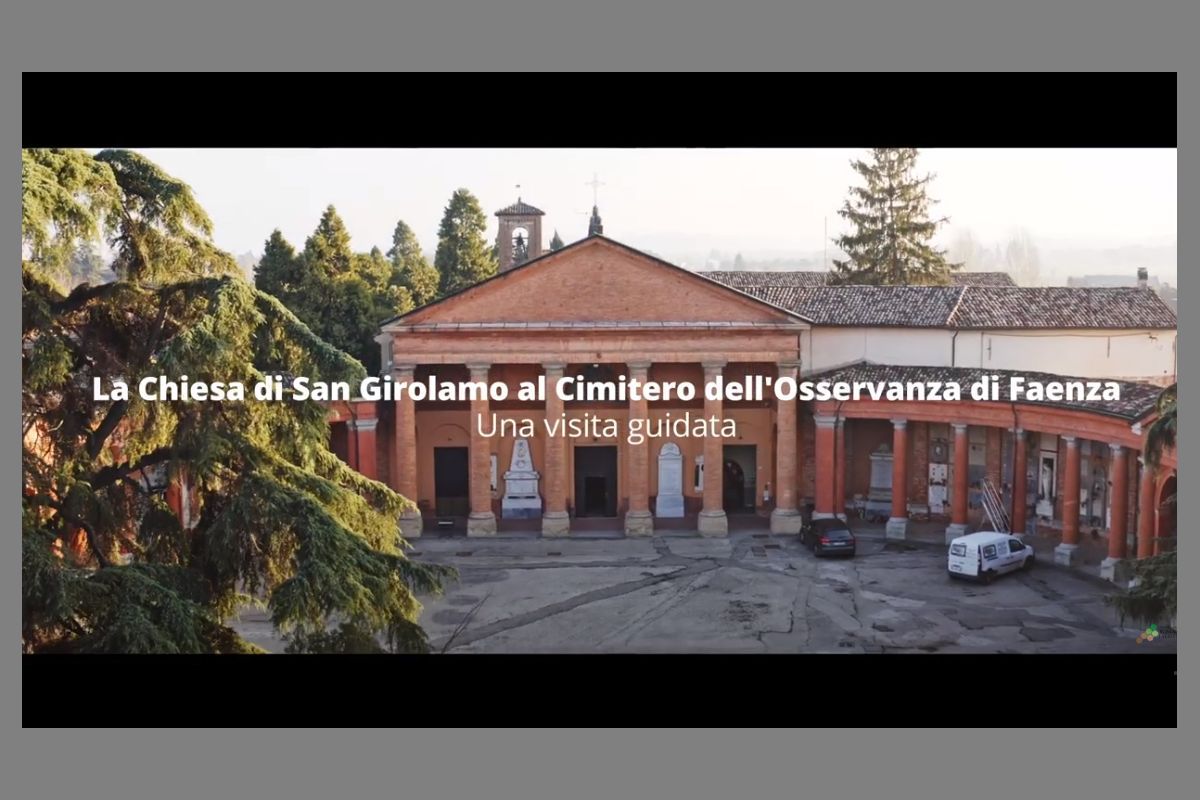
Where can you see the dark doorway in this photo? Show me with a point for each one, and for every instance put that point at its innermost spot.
(739, 478)
(596, 481)
(451, 482)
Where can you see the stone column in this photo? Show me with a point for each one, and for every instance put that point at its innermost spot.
(481, 521)
(364, 447)
(712, 521)
(958, 498)
(897, 524)
(403, 472)
(1065, 553)
(823, 480)
(785, 518)
(1145, 532)
(1115, 568)
(555, 519)
(638, 520)
(1020, 477)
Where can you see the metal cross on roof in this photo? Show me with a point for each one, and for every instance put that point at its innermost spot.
(595, 183)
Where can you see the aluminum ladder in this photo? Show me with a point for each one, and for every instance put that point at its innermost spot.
(993, 507)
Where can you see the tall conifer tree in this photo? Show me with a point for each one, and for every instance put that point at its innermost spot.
(463, 256)
(410, 268)
(891, 239)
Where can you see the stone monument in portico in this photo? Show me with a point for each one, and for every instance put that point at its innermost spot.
(669, 502)
(521, 497)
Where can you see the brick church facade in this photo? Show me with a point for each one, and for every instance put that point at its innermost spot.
(603, 310)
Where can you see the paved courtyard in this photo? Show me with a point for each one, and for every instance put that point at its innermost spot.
(753, 593)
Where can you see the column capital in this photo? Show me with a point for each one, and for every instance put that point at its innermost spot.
(1017, 431)
(1070, 440)
(823, 421)
(554, 366)
(900, 423)
(1116, 449)
(402, 367)
(479, 367)
(640, 366)
(959, 427)
(714, 364)
(363, 424)
(788, 363)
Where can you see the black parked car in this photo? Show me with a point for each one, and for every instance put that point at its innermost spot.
(829, 536)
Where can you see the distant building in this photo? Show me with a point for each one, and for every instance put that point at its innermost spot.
(1166, 291)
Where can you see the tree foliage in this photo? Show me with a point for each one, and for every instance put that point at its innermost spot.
(556, 242)
(341, 295)
(892, 229)
(1154, 595)
(410, 268)
(463, 256)
(1160, 436)
(106, 565)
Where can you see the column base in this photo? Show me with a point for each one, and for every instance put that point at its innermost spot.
(411, 524)
(481, 523)
(713, 523)
(955, 530)
(1066, 555)
(828, 515)
(639, 523)
(786, 521)
(1117, 570)
(556, 523)
(897, 528)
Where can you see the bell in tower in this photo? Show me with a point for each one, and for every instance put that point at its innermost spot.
(520, 236)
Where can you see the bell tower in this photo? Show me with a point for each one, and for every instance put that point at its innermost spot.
(520, 236)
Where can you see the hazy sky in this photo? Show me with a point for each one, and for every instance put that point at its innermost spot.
(681, 200)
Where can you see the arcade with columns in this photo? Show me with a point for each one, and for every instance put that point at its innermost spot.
(813, 458)
(602, 310)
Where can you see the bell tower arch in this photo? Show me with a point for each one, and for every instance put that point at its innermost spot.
(520, 236)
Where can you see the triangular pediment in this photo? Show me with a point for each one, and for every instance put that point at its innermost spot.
(598, 280)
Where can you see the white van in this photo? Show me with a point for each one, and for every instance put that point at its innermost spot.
(986, 554)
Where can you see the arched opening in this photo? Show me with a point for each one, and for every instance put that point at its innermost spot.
(1165, 537)
(520, 245)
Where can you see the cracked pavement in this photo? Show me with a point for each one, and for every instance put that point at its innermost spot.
(751, 592)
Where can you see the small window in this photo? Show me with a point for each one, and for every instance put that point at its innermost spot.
(958, 549)
(1015, 545)
(989, 551)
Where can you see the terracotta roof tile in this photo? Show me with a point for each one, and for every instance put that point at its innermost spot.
(742, 279)
(522, 208)
(1062, 307)
(988, 304)
(1136, 400)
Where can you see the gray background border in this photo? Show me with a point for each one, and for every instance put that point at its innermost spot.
(609, 764)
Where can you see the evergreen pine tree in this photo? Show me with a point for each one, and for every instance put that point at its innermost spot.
(280, 272)
(556, 242)
(463, 256)
(890, 243)
(106, 566)
(327, 251)
(410, 268)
